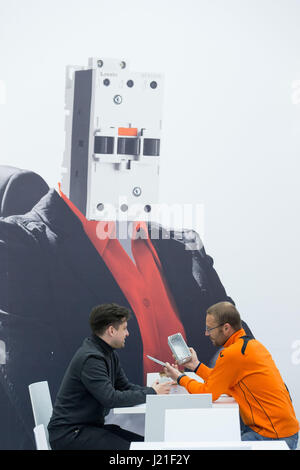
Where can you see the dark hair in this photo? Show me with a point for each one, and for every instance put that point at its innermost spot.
(225, 312)
(105, 315)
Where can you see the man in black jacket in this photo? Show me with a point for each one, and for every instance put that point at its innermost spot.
(93, 384)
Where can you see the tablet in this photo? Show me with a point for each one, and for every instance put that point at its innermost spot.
(157, 361)
(179, 348)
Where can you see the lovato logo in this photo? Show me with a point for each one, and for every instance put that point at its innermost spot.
(296, 352)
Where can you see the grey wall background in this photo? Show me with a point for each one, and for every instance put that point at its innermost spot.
(231, 127)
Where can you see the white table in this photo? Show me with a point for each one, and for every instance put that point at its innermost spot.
(224, 445)
(132, 418)
(223, 400)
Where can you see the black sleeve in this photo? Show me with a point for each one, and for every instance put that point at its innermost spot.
(95, 378)
(122, 383)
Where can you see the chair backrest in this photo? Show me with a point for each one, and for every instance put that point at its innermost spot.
(41, 403)
(41, 440)
(156, 405)
(214, 424)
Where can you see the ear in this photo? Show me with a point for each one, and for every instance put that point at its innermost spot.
(110, 330)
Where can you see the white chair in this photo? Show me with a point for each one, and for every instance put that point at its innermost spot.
(156, 405)
(40, 437)
(215, 424)
(41, 405)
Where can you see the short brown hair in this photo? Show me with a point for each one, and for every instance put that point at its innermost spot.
(226, 312)
(104, 315)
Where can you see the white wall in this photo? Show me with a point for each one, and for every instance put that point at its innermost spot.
(231, 126)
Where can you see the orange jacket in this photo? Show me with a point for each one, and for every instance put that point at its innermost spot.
(253, 380)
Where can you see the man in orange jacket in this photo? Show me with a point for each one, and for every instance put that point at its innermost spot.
(246, 371)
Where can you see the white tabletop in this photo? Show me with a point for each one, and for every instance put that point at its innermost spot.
(223, 400)
(137, 409)
(221, 445)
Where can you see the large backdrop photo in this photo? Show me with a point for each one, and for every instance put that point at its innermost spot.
(223, 145)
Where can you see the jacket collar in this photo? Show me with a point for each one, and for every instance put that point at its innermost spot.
(52, 210)
(73, 246)
(103, 345)
(107, 229)
(234, 337)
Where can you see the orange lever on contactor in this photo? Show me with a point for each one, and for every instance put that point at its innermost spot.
(128, 131)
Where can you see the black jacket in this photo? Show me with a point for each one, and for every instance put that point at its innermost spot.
(93, 384)
(51, 276)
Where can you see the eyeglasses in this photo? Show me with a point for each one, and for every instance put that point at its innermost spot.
(208, 330)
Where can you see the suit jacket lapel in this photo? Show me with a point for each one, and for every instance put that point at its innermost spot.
(74, 246)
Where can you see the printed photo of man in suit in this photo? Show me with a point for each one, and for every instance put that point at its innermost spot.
(54, 268)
